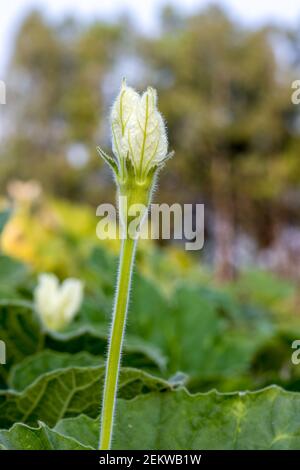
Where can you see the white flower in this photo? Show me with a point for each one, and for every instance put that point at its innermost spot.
(138, 132)
(57, 304)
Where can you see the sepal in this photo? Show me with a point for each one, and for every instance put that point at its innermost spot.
(110, 161)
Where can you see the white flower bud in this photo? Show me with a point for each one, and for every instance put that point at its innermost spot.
(138, 132)
(140, 147)
(57, 304)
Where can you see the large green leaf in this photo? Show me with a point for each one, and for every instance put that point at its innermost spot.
(82, 428)
(23, 335)
(27, 371)
(197, 332)
(136, 352)
(176, 420)
(203, 332)
(273, 361)
(20, 332)
(100, 271)
(269, 419)
(69, 392)
(23, 437)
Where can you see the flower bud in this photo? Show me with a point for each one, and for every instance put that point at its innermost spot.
(140, 147)
(139, 137)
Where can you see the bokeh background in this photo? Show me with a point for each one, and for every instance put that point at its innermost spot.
(223, 72)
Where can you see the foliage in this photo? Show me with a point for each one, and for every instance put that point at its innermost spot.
(182, 341)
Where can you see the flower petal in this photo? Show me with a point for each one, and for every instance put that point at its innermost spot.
(147, 135)
(121, 114)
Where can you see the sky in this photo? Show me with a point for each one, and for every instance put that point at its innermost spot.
(144, 13)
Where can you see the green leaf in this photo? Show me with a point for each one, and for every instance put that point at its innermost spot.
(20, 330)
(13, 273)
(82, 428)
(109, 160)
(176, 420)
(69, 392)
(218, 335)
(268, 419)
(23, 335)
(136, 353)
(100, 271)
(22, 437)
(209, 342)
(27, 371)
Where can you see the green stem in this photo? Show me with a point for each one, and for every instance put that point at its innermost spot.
(116, 340)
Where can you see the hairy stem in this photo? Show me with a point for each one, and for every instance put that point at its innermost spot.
(115, 344)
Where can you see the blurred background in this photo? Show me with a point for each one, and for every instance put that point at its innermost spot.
(223, 71)
(226, 315)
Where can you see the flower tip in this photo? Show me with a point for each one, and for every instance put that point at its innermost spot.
(153, 93)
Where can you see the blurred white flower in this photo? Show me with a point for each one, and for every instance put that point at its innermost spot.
(24, 191)
(55, 303)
